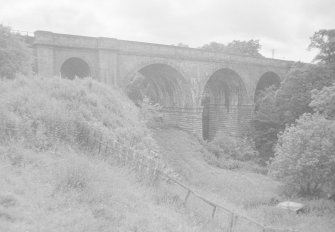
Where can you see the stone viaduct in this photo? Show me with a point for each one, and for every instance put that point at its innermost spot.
(201, 91)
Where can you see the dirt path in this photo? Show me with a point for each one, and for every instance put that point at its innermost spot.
(231, 188)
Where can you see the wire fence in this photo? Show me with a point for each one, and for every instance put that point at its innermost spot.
(90, 139)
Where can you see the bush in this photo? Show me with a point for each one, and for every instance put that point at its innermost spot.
(233, 147)
(231, 152)
(305, 156)
(151, 114)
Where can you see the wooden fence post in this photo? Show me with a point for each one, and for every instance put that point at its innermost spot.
(231, 223)
(214, 210)
(100, 141)
(187, 196)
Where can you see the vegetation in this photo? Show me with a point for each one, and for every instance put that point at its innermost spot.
(249, 48)
(323, 101)
(14, 54)
(51, 182)
(324, 41)
(305, 156)
(232, 152)
(77, 109)
(245, 192)
(279, 108)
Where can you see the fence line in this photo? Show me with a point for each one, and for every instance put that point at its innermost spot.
(125, 155)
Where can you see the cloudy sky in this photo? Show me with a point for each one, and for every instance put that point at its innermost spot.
(283, 25)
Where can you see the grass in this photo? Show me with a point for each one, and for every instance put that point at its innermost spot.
(245, 192)
(53, 182)
(50, 191)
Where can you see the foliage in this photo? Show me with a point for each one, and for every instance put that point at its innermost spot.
(294, 95)
(323, 101)
(232, 147)
(182, 45)
(151, 114)
(77, 109)
(14, 54)
(305, 155)
(279, 108)
(324, 40)
(266, 124)
(134, 90)
(249, 48)
(214, 46)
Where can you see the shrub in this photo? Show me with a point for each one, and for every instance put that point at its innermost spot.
(232, 152)
(305, 156)
(233, 147)
(151, 114)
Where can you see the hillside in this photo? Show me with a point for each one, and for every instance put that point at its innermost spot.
(50, 179)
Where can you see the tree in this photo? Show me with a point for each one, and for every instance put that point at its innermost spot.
(182, 45)
(294, 95)
(324, 40)
(214, 46)
(249, 48)
(323, 101)
(266, 124)
(277, 109)
(14, 54)
(305, 156)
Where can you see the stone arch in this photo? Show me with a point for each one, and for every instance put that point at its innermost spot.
(160, 82)
(75, 67)
(266, 80)
(223, 94)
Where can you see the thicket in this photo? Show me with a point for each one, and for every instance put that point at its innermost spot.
(15, 56)
(33, 109)
(305, 154)
(294, 128)
(277, 109)
(234, 152)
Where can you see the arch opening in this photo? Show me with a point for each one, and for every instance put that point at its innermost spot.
(267, 80)
(75, 67)
(224, 92)
(160, 83)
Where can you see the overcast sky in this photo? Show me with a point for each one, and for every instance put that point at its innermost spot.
(283, 25)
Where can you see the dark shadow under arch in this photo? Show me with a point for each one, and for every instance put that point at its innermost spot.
(223, 93)
(159, 82)
(267, 79)
(75, 67)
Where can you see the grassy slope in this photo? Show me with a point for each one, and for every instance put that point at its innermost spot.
(38, 193)
(54, 185)
(243, 192)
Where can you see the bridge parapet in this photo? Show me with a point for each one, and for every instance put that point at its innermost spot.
(148, 49)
